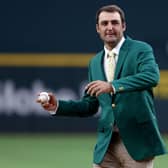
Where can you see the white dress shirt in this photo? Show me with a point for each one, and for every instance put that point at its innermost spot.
(116, 50)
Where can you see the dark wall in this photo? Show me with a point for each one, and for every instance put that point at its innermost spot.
(53, 26)
(19, 87)
(69, 26)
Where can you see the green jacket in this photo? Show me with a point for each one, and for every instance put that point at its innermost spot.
(131, 107)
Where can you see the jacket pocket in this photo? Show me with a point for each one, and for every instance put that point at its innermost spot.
(149, 131)
(146, 118)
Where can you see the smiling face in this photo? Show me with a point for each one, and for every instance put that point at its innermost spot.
(110, 28)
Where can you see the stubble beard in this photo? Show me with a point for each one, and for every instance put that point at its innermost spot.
(111, 43)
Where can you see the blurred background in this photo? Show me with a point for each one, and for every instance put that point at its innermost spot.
(46, 46)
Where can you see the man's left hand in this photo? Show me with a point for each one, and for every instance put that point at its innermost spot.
(98, 87)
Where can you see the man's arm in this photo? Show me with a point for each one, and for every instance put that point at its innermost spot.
(147, 75)
(85, 107)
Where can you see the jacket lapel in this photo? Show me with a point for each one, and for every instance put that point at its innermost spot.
(100, 74)
(122, 55)
(99, 67)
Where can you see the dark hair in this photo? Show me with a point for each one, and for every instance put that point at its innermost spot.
(110, 8)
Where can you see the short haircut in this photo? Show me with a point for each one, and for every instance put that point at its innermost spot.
(111, 8)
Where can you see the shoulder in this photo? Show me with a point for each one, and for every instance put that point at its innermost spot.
(97, 57)
(139, 45)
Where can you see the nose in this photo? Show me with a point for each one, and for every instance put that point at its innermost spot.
(110, 26)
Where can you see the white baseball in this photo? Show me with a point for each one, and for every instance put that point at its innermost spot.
(44, 97)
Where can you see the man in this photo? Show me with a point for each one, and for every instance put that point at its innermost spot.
(128, 135)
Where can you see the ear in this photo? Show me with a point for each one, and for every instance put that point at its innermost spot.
(97, 28)
(124, 26)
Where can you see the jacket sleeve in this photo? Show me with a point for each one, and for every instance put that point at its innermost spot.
(147, 75)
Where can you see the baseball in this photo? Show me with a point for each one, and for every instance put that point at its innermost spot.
(44, 97)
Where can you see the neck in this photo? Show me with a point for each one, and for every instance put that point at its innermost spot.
(110, 46)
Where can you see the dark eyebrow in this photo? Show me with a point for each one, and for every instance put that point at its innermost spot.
(104, 21)
(107, 21)
(115, 21)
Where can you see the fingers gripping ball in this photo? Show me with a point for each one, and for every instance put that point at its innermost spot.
(44, 97)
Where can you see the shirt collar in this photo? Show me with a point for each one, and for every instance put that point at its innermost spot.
(116, 49)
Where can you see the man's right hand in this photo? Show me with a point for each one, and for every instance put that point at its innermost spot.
(51, 105)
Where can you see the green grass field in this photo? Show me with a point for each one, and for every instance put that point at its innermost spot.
(52, 151)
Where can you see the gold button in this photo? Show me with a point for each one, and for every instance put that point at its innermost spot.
(121, 88)
(113, 105)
